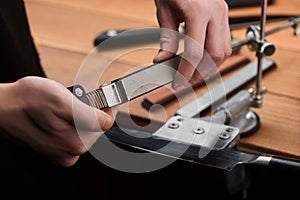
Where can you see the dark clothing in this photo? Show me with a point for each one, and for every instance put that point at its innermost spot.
(23, 173)
(19, 57)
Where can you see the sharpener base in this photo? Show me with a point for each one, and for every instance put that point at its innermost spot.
(248, 123)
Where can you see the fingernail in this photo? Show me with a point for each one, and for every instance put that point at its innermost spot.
(156, 58)
(177, 86)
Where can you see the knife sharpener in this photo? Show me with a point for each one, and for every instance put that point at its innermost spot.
(236, 112)
(198, 132)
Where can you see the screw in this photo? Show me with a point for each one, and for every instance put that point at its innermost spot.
(173, 125)
(199, 130)
(224, 136)
(78, 92)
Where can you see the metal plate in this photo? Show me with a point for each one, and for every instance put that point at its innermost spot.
(193, 131)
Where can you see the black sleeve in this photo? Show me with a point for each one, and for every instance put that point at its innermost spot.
(23, 172)
(19, 57)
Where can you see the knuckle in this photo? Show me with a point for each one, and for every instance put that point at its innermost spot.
(228, 52)
(75, 146)
(218, 56)
(222, 5)
(68, 161)
(78, 148)
(80, 151)
(195, 6)
(226, 7)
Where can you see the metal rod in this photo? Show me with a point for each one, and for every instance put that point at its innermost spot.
(263, 18)
(239, 44)
(292, 23)
(259, 54)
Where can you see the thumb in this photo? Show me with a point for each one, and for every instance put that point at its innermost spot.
(105, 119)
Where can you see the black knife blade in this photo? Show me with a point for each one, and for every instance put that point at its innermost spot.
(225, 159)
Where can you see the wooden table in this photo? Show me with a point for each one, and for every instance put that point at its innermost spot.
(64, 32)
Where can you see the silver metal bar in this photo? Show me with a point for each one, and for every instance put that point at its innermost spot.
(148, 78)
(263, 18)
(217, 93)
(259, 53)
(130, 86)
(291, 23)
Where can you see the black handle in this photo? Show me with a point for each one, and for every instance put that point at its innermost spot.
(284, 164)
(127, 38)
(105, 35)
(243, 3)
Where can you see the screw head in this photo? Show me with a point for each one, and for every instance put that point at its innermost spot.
(78, 92)
(173, 125)
(224, 136)
(199, 131)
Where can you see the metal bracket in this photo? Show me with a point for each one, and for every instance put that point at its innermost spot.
(236, 112)
(198, 132)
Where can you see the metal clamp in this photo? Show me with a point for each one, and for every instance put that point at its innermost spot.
(198, 132)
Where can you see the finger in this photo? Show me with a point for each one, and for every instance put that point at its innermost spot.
(83, 116)
(205, 69)
(193, 49)
(89, 138)
(183, 75)
(162, 55)
(169, 40)
(90, 119)
(112, 111)
(169, 36)
(219, 45)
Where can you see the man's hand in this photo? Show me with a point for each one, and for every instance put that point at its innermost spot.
(45, 116)
(207, 32)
